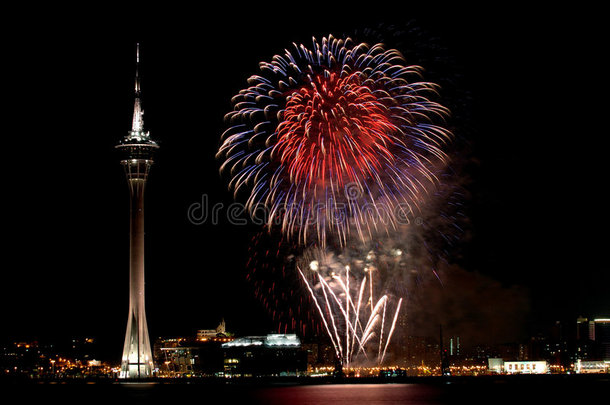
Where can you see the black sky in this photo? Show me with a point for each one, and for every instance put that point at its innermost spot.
(538, 216)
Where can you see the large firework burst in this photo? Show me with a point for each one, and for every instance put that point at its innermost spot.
(334, 139)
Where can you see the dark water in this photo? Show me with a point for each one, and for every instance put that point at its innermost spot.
(351, 394)
(457, 391)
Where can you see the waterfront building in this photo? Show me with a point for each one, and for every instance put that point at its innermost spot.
(270, 355)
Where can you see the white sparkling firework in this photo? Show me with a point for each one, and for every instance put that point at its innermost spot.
(359, 323)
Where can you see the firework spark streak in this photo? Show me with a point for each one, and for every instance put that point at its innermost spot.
(359, 324)
(335, 139)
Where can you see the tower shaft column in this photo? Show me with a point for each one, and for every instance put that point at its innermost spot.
(137, 360)
(136, 238)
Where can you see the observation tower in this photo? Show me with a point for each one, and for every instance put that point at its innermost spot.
(136, 150)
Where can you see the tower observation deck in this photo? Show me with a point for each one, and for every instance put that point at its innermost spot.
(136, 150)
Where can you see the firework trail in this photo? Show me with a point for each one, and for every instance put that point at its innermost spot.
(335, 139)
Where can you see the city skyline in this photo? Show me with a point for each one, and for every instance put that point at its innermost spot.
(532, 213)
(563, 349)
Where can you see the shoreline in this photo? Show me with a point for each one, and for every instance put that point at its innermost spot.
(307, 380)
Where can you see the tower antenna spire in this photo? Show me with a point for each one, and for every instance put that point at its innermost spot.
(137, 132)
(137, 70)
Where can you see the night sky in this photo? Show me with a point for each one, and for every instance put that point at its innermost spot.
(533, 123)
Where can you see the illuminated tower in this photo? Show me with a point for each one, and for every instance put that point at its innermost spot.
(136, 151)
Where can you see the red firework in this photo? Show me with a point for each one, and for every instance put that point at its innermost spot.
(334, 128)
(335, 139)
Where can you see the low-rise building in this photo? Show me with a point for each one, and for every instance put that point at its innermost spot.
(499, 366)
(591, 366)
(526, 367)
(270, 355)
(192, 356)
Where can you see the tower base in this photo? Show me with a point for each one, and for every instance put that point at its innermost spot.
(137, 360)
